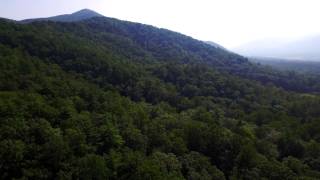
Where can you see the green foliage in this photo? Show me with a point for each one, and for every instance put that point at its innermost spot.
(108, 99)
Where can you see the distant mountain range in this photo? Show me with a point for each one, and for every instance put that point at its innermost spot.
(77, 16)
(307, 48)
(306, 67)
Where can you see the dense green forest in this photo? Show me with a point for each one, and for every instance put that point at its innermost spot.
(110, 99)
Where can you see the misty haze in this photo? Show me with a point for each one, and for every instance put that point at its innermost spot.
(307, 48)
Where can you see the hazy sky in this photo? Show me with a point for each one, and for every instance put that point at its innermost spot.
(228, 22)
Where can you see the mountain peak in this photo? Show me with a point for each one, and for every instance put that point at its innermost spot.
(87, 12)
(76, 16)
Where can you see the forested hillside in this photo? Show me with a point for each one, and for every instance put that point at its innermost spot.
(109, 99)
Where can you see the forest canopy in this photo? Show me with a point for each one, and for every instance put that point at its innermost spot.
(110, 99)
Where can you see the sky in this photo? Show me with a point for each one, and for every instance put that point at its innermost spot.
(230, 23)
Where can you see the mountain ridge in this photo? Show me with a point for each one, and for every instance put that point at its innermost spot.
(215, 45)
(150, 43)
